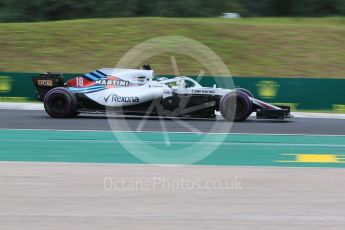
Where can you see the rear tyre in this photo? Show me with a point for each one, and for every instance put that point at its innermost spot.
(235, 106)
(60, 103)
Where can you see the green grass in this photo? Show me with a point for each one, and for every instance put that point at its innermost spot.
(277, 47)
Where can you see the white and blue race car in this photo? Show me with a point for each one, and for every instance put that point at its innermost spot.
(138, 92)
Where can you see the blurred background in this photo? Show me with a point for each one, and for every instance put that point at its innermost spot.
(273, 37)
(288, 52)
(42, 10)
(273, 40)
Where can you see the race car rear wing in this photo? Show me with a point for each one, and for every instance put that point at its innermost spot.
(45, 82)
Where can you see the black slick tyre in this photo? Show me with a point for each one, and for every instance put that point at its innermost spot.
(60, 103)
(235, 106)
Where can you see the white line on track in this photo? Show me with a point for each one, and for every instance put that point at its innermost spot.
(21, 106)
(40, 107)
(174, 132)
(133, 165)
(181, 142)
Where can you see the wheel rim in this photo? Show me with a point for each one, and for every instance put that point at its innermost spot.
(58, 104)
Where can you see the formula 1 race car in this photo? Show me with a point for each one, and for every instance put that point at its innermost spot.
(138, 92)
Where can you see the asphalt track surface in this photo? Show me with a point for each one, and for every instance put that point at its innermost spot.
(14, 119)
(75, 196)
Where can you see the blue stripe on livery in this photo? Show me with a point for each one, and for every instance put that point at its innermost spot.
(101, 73)
(96, 74)
(88, 89)
(90, 77)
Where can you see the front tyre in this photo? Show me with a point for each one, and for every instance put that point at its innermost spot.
(245, 91)
(248, 93)
(60, 103)
(235, 106)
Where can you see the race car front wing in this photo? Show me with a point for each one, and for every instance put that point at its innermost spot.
(268, 111)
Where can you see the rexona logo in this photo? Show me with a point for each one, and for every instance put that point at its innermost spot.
(112, 82)
(116, 98)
